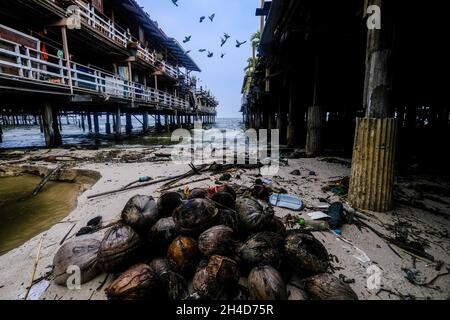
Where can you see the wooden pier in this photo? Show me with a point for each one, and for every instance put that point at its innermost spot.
(323, 64)
(94, 58)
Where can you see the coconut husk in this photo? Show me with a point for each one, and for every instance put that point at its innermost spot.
(266, 283)
(260, 192)
(277, 226)
(140, 213)
(168, 202)
(223, 269)
(173, 285)
(198, 193)
(224, 200)
(254, 215)
(161, 235)
(137, 283)
(325, 286)
(217, 240)
(160, 266)
(81, 252)
(183, 254)
(119, 249)
(228, 218)
(204, 284)
(261, 249)
(304, 253)
(195, 216)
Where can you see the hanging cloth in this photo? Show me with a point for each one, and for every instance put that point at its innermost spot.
(44, 52)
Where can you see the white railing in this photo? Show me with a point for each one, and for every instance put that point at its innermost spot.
(17, 61)
(117, 34)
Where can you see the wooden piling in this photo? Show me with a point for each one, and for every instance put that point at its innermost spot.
(314, 135)
(47, 123)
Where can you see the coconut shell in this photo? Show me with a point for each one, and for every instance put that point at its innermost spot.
(175, 286)
(224, 200)
(198, 193)
(254, 216)
(228, 189)
(260, 192)
(261, 249)
(266, 283)
(183, 254)
(217, 240)
(81, 252)
(168, 202)
(140, 213)
(119, 248)
(195, 216)
(138, 282)
(304, 253)
(161, 235)
(325, 286)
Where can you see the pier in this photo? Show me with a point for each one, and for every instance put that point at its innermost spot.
(87, 60)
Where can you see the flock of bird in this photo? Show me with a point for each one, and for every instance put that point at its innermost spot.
(223, 40)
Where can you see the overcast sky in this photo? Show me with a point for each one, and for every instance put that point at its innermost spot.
(236, 17)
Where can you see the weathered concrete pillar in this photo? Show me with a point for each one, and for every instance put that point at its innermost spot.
(128, 123)
(47, 119)
(372, 179)
(108, 124)
(145, 122)
(96, 124)
(88, 115)
(118, 124)
(314, 134)
(83, 125)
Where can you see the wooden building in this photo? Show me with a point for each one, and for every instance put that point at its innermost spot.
(94, 57)
(354, 77)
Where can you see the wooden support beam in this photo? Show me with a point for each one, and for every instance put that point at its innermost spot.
(47, 119)
(108, 124)
(118, 123)
(96, 124)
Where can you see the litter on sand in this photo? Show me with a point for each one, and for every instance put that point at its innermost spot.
(286, 201)
(318, 215)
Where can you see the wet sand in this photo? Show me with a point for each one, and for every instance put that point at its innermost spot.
(16, 266)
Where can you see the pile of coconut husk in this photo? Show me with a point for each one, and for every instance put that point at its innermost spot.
(204, 244)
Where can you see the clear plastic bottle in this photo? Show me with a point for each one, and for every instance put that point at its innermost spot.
(314, 225)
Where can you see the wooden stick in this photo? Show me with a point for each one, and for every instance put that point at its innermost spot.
(34, 268)
(45, 180)
(67, 234)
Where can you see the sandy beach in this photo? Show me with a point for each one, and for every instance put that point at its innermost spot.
(355, 254)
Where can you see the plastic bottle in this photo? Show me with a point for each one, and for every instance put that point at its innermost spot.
(314, 225)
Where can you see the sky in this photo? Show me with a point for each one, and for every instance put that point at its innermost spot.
(224, 77)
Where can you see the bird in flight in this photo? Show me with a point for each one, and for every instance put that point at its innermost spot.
(223, 41)
(202, 18)
(175, 2)
(211, 17)
(238, 44)
(226, 35)
(189, 51)
(202, 50)
(187, 39)
(210, 54)
(222, 55)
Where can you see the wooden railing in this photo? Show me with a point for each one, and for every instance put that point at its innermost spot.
(120, 36)
(19, 62)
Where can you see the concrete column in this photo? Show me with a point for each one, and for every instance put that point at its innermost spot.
(118, 124)
(128, 124)
(88, 115)
(47, 123)
(108, 124)
(145, 122)
(96, 124)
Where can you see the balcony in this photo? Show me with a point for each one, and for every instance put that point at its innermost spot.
(18, 62)
(121, 37)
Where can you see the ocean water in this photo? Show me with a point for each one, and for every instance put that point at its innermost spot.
(30, 136)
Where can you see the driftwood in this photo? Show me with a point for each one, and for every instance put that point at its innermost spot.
(404, 246)
(67, 234)
(45, 180)
(36, 261)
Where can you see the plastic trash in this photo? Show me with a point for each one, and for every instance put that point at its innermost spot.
(318, 215)
(314, 225)
(286, 201)
(144, 179)
(336, 213)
